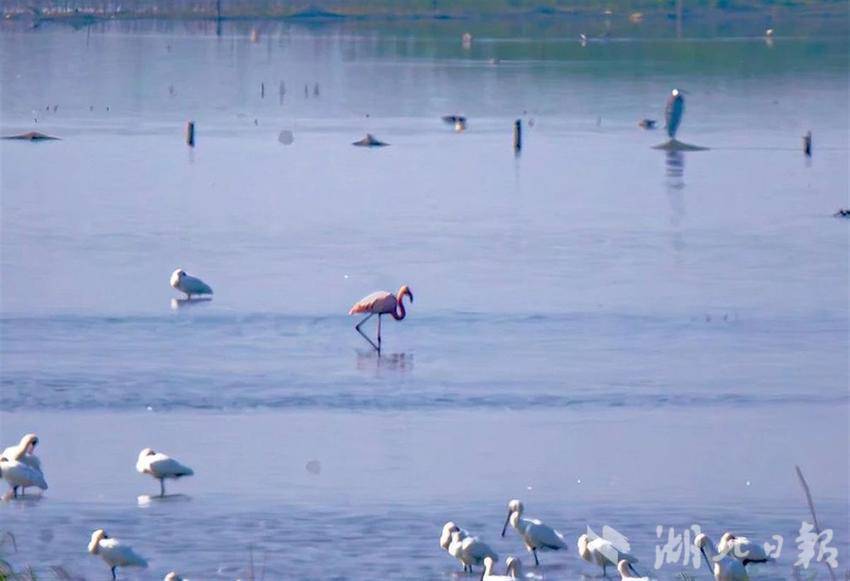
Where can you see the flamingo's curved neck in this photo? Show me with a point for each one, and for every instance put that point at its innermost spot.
(399, 313)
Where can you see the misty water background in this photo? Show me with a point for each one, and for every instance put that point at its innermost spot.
(615, 334)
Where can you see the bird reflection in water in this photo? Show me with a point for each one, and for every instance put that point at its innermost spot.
(177, 304)
(402, 362)
(145, 500)
(675, 185)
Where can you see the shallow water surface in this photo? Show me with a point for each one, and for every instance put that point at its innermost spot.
(615, 334)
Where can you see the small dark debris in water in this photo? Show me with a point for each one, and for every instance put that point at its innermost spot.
(286, 137)
(452, 119)
(842, 213)
(370, 141)
(256, 122)
(313, 467)
(647, 123)
(306, 91)
(807, 143)
(32, 136)
(91, 107)
(316, 90)
(55, 108)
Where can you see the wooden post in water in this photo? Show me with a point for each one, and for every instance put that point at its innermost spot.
(190, 134)
(517, 135)
(807, 144)
(218, 17)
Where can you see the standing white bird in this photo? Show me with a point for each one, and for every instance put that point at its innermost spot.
(601, 551)
(536, 535)
(20, 475)
(742, 548)
(623, 569)
(189, 284)
(113, 552)
(24, 452)
(513, 570)
(172, 576)
(446, 534)
(381, 303)
(161, 466)
(724, 567)
(469, 551)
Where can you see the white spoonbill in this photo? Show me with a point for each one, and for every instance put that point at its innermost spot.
(601, 551)
(446, 535)
(113, 552)
(513, 570)
(742, 548)
(535, 534)
(381, 303)
(469, 551)
(189, 284)
(20, 475)
(24, 452)
(623, 568)
(724, 567)
(161, 466)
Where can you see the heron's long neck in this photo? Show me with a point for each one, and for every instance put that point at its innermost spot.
(399, 313)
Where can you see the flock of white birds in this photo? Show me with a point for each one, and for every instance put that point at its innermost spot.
(727, 560)
(21, 469)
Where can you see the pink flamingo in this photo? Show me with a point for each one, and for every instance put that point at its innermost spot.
(381, 303)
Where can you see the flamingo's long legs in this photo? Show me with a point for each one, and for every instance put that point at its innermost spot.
(359, 330)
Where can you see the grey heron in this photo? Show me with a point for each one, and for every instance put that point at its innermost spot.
(674, 111)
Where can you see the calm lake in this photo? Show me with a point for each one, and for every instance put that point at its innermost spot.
(614, 334)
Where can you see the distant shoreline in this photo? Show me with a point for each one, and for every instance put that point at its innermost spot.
(430, 10)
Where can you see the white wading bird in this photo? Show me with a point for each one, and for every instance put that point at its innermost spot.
(724, 567)
(172, 576)
(113, 552)
(446, 535)
(161, 466)
(536, 535)
(189, 284)
(623, 569)
(469, 551)
(742, 548)
(20, 475)
(513, 570)
(24, 452)
(601, 551)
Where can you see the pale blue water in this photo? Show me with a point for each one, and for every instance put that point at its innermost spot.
(662, 328)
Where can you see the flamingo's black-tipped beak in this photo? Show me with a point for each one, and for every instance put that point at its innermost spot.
(507, 520)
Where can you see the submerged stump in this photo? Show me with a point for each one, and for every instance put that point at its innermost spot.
(370, 141)
(32, 136)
